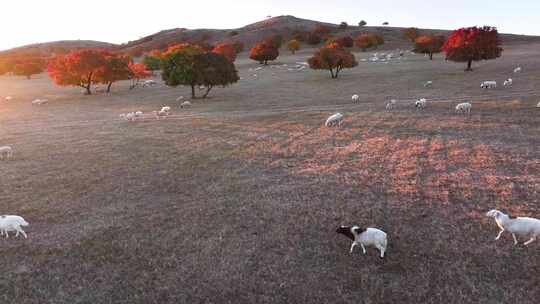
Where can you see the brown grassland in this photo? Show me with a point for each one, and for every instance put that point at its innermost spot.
(236, 199)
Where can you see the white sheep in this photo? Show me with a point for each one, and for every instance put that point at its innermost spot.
(180, 98)
(185, 104)
(8, 98)
(355, 98)
(166, 109)
(12, 223)
(336, 119)
(6, 152)
(538, 105)
(365, 237)
(139, 114)
(149, 83)
(428, 84)
(391, 104)
(128, 116)
(464, 107)
(488, 84)
(508, 82)
(517, 70)
(522, 226)
(160, 114)
(420, 103)
(39, 102)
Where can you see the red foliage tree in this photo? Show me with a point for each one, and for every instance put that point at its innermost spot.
(137, 71)
(227, 50)
(264, 52)
(366, 41)
(429, 44)
(78, 68)
(332, 57)
(115, 68)
(345, 41)
(28, 66)
(473, 44)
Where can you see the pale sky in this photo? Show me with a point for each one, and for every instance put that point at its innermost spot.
(31, 21)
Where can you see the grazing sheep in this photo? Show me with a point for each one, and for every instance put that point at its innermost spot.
(39, 102)
(508, 82)
(149, 83)
(131, 116)
(336, 119)
(6, 152)
(517, 70)
(8, 98)
(391, 104)
(464, 107)
(538, 105)
(365, 237)
(522, 226)
(420, 103)
(165, 109)
(12, 223)
(428, 84)
(185, 104)
(355, 98)
(180, 98)
(160, 114)
(139, 114)
(488, 84)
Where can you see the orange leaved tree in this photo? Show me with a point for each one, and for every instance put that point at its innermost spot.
(116, 68)
(429, 44)
(411, 33)
(78, 68)
(137, 71)
(368, 40)
(332, 57)
(473, 44)
(264, 52)
(227, 50)
(28, 66)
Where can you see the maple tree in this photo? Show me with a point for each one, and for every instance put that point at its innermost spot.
(411, 33)
(293, 45)
(28, 66)
(368, 40)
(473, 44)
(345, 41)
(429, 44)
(263, 52)
(227, 50)
(115, 68)
(332, 57)
(77, 68)
(137, 71)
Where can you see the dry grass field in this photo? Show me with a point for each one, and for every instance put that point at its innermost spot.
(237, 199)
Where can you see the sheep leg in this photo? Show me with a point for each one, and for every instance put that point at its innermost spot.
(530, 241)
(382, 250)
(19, 229)
(515, 239)
(7, 234)
(499, 235)
(352, 247)
(363, 248)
